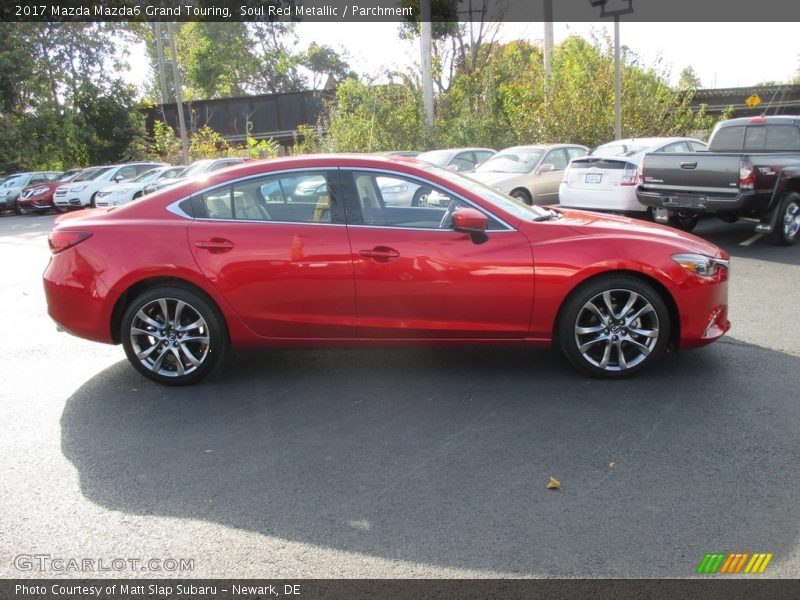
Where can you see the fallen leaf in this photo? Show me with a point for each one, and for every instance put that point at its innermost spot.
(553, 484)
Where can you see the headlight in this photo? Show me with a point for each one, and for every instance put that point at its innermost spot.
(78, 188)
(699, 264)
(394, 189)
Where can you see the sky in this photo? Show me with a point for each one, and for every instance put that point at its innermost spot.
(722, 54)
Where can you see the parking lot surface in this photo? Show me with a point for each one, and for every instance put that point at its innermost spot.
(404, 462)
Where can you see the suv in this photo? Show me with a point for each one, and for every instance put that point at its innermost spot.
(82, 192)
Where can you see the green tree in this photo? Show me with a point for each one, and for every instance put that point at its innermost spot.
(322, 62)
(372, 118)
(689, 80)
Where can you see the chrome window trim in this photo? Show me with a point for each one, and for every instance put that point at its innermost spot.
(175, 209)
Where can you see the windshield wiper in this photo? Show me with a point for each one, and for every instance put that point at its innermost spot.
(550, 216)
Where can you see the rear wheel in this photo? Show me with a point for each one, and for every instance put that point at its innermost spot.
(614, 326)
(93, 201)
(788, 225)
(173, 335)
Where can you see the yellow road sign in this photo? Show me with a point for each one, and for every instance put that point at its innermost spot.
(753, 100)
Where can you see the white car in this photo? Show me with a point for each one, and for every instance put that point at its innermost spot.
(606, 179)
(83, 193)
(531, 174)
(124, 192)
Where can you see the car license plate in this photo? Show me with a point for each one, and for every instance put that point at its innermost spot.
(594, 177)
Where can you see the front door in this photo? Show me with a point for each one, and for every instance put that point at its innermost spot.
(416, 277)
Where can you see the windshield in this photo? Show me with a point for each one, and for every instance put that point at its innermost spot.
(90, 174)
(14, 181)
(66, 176)
(518, 161)
(507, 203)
(436, 157)
(618, 149)
(196, 168)
(148, 176)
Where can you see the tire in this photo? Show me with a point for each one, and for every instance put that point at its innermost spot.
(136, 196)
(523, 196)
(685, 221)
(17, 208)
(170, 354)
(420, 197)
(614, 326)
(787, 226)
(93, 201)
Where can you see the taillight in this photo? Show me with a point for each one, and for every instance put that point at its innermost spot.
(747, 175)
(61, 240)
(640, 174)
(630, 175)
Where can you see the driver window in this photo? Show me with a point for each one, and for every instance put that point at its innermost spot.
(390, 200)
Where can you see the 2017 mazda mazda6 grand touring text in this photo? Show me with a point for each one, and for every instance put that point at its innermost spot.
(241, 259)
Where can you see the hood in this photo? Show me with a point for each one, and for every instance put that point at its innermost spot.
(494, 179)
(599, 225)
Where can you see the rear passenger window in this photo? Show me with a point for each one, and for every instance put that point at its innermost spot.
(288, 198)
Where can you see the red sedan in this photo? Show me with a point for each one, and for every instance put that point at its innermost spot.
(252, 257)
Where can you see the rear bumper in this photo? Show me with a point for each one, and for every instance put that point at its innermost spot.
(701, 202)
(620, 199)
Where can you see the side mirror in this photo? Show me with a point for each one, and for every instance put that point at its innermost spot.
(546, 168)
(472, 222)
(119, 178)
(453, 167)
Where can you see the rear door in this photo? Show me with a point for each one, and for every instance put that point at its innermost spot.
(282, 263)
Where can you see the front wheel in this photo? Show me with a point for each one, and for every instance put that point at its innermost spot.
(421, 197)
(173, 335)
(788, 225)
(614, 326)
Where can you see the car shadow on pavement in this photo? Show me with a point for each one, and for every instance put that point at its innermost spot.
(442, 456)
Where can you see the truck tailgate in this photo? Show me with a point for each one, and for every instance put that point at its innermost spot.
(698, 172)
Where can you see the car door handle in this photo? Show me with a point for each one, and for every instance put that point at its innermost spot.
(215, 245)
(382, 254)
(688, 165)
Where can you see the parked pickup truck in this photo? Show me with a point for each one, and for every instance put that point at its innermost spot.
(751, 170)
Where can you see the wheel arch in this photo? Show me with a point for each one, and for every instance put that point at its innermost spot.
(674, 316)
(143, 285)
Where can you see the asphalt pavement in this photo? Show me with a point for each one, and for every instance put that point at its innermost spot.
(403, 462)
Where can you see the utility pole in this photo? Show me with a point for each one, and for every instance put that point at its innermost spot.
(617, 84)
(427, 78)
(162, 77)
(548, 47)
(178, 93)
(615, 8)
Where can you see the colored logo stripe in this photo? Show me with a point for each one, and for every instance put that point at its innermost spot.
(734, 562)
